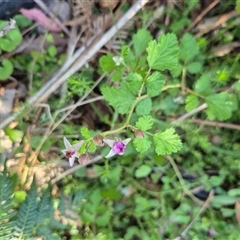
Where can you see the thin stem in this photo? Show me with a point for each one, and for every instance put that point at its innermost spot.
(182, 182)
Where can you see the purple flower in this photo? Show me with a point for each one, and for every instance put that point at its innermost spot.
(117, 146)
(71, 151)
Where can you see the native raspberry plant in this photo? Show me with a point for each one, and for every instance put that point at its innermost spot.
(136, 76)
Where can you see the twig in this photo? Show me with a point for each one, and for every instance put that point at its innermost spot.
(73, 66)
(224, 18)
(200, 16)
(9, 27)
(216, 124)
(187, 115)
(75, 168)
(182, 182)
(203, 208)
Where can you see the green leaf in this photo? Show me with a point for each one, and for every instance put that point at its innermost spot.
(194, 67)
(111, 193)
(117, 75)
(35, 141)
(145, 123)
(85, 132)
(167, 142)
(164, 53)
(142, 144)
(14, 134)
(6, 69)
(106, 63)
(238, 6)
(142, 171)
(11, 40)
(133, 82)
(141, 40)
(154, 84)
(223, 200)
(52, 51)
(125, 50)
(191, 102)
(144, 107)
(121, 99)
(219, 106)
(188, 47)
(22, 21)
(203, 85)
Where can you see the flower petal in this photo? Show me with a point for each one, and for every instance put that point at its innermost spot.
(71, 160)
(67, 143)
(126, 141)
(76, 146)
(109, 142)
(110, 154)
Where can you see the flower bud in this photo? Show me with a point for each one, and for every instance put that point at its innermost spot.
(139, 134)
(83, 159)
(98, 140)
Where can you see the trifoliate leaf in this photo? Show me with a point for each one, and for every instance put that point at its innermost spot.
(121, 99)
(154, 84)
(142, 171)
(142, 144)
(133, 82)
(167, 142)
(85, 132)
(106, 63)
(189, 47)
(144, 107)
(144, 123)
(141, 40)
(219, 106)
(194, 67)
(191, 102)
(164, 53)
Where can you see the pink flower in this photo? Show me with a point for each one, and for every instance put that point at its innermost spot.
(117, 146)
(71, 151)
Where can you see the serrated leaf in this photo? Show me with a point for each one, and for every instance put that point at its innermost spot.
(164, 53)
(85, 132)
(121, 99)
(194, 67)
(167, 142)
(154, 84)
(141, 40)
(191, 102)
(142, 171)
(142, 144)
(189, 47)
(133, 82)
(219, 106)
(106, 63)
(144, 107)
(145, 123)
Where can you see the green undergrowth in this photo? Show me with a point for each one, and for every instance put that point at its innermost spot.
(179, 103)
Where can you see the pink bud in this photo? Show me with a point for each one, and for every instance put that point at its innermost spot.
(139, 134)
(83, 159)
